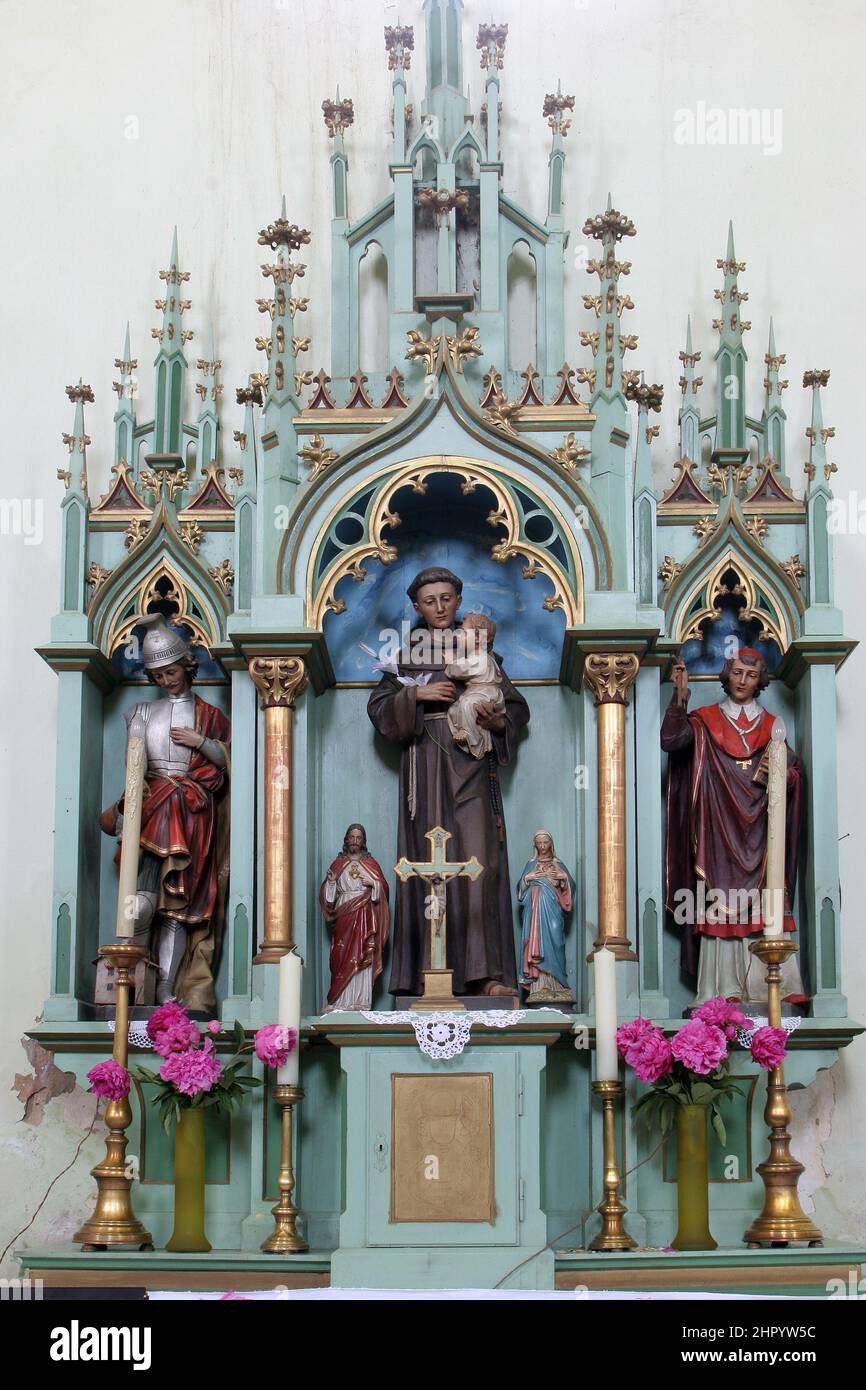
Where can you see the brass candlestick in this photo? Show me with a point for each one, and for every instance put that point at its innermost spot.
(284, 1239)
(113, 1221)
(612, 1235)
(782, 1219)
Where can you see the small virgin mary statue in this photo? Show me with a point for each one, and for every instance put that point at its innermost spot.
(545, 893)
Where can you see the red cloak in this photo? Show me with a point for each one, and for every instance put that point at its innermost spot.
(179, 826)
(717, 822)
(360, 927)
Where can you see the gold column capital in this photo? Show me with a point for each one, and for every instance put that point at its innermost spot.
(278, 679)
(609, 676)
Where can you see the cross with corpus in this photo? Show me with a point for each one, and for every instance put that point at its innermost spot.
(438, 871)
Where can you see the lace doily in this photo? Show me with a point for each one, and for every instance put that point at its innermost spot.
(442, 1035)
(137, 1034)
(744, 1035)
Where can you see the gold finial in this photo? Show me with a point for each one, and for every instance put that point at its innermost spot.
(490, 39)
(338, 115)
(399, 44)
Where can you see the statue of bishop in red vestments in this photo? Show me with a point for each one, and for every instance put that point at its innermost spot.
(716, 832)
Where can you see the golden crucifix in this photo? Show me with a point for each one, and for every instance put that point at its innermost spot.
(438, 992)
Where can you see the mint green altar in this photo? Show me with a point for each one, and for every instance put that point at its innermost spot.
(282, 522)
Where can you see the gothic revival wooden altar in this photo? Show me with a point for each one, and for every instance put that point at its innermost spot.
(280, 534)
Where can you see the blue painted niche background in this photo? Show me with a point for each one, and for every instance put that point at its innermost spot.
(446, 527)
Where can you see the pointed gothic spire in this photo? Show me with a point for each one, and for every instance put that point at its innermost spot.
(647, 398)
(399, 44)
(816, 434)
(773, 418)
(689, 416)
(555, 106)
(75, 477)
(731, 325)
(170, 363)
(339, 115)
(209, 390)
(731, 354)
(445, 103)
(283, 380)
(490, 40)
(124, 415)
(244, 476)
(609, 344)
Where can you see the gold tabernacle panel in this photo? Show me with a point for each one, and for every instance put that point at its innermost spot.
(442, 1147)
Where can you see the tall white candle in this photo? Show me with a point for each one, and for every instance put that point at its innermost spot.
(289, 1013)
(127, 887)
(777, 794)
(606, 1058)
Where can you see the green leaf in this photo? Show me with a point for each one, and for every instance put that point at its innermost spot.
(240, 1036)
(718, 1124)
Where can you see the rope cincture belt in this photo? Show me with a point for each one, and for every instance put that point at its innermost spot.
(413, 761)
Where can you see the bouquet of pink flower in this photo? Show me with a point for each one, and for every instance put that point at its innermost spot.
(692, 1067)
(191, 1074)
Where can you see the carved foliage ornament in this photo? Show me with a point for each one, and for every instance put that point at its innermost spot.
(609, 674)
(278, 679)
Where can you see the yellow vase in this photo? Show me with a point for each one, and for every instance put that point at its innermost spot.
(188, 1234)
(693, 1184)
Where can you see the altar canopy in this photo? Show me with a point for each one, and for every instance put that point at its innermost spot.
(277, 529)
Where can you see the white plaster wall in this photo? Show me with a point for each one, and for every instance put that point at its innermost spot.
(222, 99)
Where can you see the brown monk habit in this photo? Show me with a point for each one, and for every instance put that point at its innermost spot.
(440, 784)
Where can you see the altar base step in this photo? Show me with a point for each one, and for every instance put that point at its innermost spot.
(831, 1272)
(469, 1001)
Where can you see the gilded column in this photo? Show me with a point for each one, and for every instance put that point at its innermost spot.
(279, 680)
(609, 675)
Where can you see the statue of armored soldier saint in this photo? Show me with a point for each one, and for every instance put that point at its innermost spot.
(183, 863)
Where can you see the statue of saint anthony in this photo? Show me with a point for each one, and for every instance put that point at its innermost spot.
(441, 783)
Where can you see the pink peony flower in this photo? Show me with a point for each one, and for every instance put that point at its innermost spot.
(170, 1012)
(700, 1046)
(192, 1071)
(214, 1026)
(653, 1057)
(273, 1043)
(769, 1047)
(170, 1029)
(722, 1014)
(630, 1035)
(109, 1079)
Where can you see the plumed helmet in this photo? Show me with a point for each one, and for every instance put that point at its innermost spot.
(161, 647)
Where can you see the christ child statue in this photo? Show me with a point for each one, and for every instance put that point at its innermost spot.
(480, 671)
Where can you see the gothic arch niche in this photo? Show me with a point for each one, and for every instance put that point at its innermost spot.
(512, 548)
(159, 586)
(373, 310)
(730, 607)
(522, 293)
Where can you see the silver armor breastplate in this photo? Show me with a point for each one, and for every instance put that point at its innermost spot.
(163, 715)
